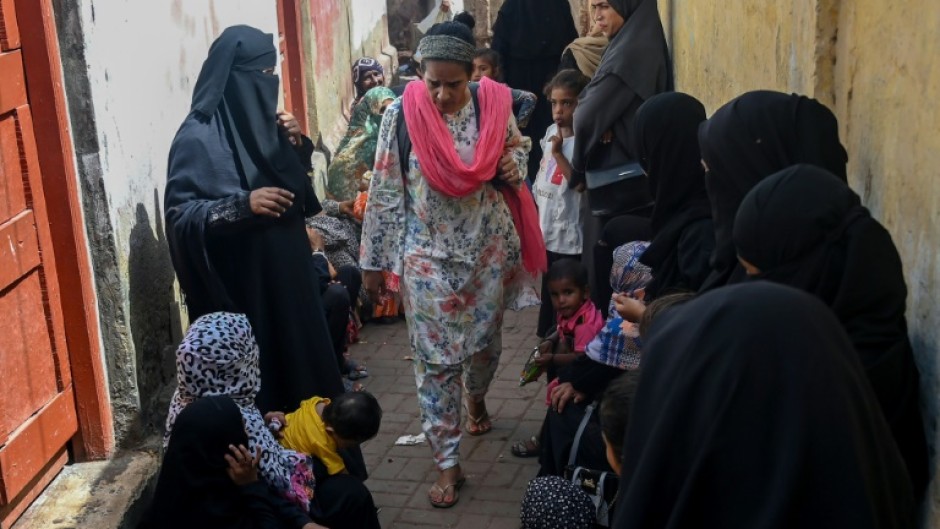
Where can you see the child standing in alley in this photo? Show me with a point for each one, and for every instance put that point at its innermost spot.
(486, 64)
(559, 206)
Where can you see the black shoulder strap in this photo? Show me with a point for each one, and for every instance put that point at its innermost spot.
(401, 129)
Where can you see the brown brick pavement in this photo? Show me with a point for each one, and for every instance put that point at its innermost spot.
(400, 476)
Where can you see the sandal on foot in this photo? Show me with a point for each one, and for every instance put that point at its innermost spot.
(528, 448)
(441, 504)
(478, 425)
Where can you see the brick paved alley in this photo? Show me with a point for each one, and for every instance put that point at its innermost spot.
(400, 475)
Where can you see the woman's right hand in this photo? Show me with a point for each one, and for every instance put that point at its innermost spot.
(346, 208)
(270, 201)
(373, 282)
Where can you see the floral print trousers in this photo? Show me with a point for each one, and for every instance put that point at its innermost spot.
(440, 389)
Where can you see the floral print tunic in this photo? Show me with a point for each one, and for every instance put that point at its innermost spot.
(459, 259)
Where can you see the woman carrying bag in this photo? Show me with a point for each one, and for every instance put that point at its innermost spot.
(634, 68)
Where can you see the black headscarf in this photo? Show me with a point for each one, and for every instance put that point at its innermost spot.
(749, 139)
(193, 489)
(805, 228)
(753, 412)
(529, 29)
(666, 135)
(638, 54)
(634, 68)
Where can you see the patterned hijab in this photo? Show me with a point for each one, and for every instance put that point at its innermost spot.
(617, 344)
(552, 502)
(359, 70)
(355, 154)
(219, 356)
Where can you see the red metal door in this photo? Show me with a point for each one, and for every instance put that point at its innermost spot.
(37, 402)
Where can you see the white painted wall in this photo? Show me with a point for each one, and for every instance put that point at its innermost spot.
(143, 60)
(366, 14)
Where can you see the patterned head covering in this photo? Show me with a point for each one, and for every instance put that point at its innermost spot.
(628, 273)
(445, 48)
(355, 154)
(219, 356)
(552, 502)
(359, 70)
(618, 342)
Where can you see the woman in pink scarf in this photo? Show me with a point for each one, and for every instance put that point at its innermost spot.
(460, 231)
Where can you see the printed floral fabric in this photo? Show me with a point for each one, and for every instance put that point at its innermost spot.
(439, 399)
(459, 259)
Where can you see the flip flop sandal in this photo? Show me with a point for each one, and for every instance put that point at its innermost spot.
(443, 491)
(528, 448)
(476, 425)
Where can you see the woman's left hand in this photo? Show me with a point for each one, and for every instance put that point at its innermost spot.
(291, 126)
(565, 393)
(242, 467)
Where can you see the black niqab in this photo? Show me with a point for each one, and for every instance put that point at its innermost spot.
(193, 489)
(740, 421)
(228, 259)
(749, 139)
(805, 228)
(666, 135)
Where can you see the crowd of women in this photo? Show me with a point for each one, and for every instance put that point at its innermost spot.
(750, 357)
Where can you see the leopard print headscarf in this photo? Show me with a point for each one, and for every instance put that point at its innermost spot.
(219, 356)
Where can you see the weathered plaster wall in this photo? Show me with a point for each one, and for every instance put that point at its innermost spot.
(129, 70)
(876, 67)
(336, 33)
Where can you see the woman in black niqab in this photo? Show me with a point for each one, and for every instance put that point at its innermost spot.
(753, 412)
(194, 490)
(805, 228)
(666, 133)
(750, 138)
(228, 258)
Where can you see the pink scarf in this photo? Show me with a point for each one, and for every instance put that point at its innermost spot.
(446, 172)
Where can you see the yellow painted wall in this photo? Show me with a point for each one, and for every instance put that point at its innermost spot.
(875, 64)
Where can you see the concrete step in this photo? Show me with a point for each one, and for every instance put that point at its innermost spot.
(109, 494)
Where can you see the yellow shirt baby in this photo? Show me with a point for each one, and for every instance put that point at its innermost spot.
(306, 432)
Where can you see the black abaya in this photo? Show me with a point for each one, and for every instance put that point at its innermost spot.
(634, 68)
(750, 138)
(805, 228)
(753, 412)
(666, 132)
(227, 258)
(529, 36)
(193, 490)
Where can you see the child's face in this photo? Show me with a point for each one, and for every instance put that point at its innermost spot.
(563, 103)
(567, 296)
(482, 68)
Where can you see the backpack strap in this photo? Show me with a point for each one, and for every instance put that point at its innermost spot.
(573, 455)
(404, 140)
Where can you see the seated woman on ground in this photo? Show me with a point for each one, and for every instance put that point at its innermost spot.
(805, 228)
(753, 411)
(209, 477)
(219, 356)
